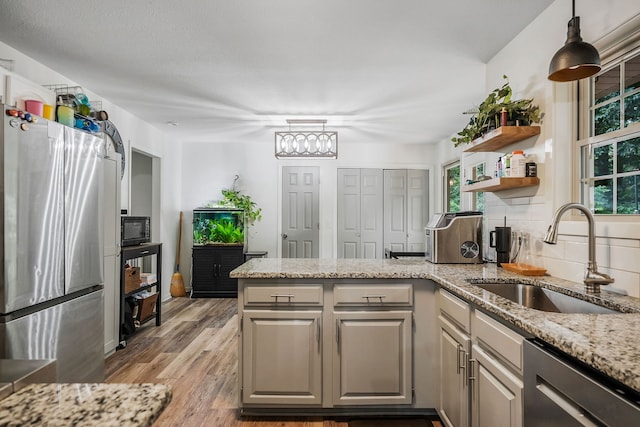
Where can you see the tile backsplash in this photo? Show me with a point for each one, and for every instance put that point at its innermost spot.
(616, 256)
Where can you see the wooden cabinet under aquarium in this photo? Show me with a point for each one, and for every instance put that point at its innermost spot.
(218, 247)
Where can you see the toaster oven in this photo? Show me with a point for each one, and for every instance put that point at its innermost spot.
(454, 238)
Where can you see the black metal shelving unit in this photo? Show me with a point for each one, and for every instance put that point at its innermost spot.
(140, 251)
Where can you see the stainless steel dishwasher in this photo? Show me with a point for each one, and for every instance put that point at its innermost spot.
(560, 393)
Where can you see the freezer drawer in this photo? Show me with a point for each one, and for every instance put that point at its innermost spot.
(70, 332)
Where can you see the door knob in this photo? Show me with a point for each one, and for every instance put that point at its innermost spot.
(284, 235)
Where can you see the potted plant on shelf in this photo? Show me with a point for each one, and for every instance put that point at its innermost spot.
(487, 117)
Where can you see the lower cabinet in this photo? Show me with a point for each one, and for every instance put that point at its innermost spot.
(335, 345)
(480, 368)
(455, 346)
(372, 362)
(496, 394)
(210, 270)
(282, 357)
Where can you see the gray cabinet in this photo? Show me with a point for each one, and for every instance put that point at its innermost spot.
(480, 367)
(496, 373)
(454, 323)
(281, 357)
(373, 345)
(496, 393)
(344, 344)
(372, 358)
(454, 380)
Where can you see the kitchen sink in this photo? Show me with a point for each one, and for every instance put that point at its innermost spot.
(543, 299)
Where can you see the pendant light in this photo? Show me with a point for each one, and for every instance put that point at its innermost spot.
(576, 59)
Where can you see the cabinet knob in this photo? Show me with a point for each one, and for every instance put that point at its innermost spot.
(284, 235)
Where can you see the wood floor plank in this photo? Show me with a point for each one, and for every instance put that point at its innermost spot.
(194, 351)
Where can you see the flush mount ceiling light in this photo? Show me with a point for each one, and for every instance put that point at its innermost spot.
(306, 143)
(576, 59)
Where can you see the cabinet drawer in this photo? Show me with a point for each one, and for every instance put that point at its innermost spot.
(283, 295)
(498, 339)
(373, 295)
(455, 309)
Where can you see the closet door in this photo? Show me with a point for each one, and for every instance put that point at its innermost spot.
(360, 213)
(371, 207)
(349, 213)
(395, 210)
(406, 209)
(417, 208)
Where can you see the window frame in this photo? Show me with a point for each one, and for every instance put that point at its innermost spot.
(446, 186)
(615, 48)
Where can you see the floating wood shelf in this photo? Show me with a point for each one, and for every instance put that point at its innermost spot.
(499, 184)
(501, 137)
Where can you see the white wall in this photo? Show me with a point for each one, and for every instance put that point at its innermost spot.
(525, 61)
(135, 134)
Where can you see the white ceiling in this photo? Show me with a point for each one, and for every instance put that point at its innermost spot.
(397, 71)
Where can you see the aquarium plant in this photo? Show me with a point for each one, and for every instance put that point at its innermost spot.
(214, 226)
(225, 221)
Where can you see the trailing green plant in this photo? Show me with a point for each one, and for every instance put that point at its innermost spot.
(487, 116)
(235, 199)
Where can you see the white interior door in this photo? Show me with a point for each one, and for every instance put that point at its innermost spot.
(406, 209)
(349, 213)
(417, 208)
(395, 210)
(360, 213)
(300, 212)
(371, 213)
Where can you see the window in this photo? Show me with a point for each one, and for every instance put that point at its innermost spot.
(477, 202)
(610, 153)
(452, 187)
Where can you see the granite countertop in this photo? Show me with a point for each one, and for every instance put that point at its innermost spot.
(606, 342)
(85, 404)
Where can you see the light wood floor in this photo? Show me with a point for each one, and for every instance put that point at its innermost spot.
(195, 352)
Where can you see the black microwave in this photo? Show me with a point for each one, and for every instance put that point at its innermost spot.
(135, 230)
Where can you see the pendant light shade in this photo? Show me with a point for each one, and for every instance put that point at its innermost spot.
(576, 59)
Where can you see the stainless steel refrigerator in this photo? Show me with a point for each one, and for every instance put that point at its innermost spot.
(51, 286)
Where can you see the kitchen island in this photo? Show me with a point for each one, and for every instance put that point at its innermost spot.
(100, 404)
(605, 342)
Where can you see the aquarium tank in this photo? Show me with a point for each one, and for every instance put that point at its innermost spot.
(219, 226)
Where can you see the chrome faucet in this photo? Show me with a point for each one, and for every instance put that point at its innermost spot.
(592, 277)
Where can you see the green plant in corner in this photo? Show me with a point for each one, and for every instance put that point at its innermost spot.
(242, 201)
(487, 116)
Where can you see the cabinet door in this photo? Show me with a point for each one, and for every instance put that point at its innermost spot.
(281, 357)
(203, 270)
(228, 259)
(454, 389)
(372, 358)
(496, 394)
